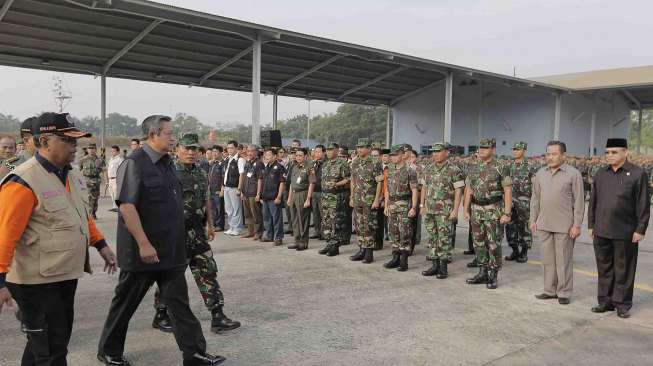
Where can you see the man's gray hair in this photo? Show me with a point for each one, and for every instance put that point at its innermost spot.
(154, 124)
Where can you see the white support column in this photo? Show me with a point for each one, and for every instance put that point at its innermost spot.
(256, 91)
(639, 131)
(593, 127)
(103, 109)
(308, 122)
(275, 106)
(387, 128)
(481, 105)
(556, 118)
(448, 101)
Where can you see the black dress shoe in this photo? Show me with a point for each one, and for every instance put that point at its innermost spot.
(563, 301)
(316, 236)
(202, 360)
(623, 313)
(162, 321)
(602, 308)
(544, 296)
(113, 360)
(293, 246)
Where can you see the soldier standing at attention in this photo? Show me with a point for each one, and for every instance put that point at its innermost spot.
(91, 167)
(302, 180)
(316, 201)
(400, 194)
(442, 184)
(199, 231)
(366, 181)
(347, 231)
(488, 183)
(335, 177)
(518, 233)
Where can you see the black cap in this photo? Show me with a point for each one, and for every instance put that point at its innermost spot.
(617, 142)
(57, 123)
(27, 125)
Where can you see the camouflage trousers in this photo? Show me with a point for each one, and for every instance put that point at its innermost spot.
(93, 186)
(400, 226)
(366, 226)
(440, 230)
(487, 233)
(518, 231)
(334, 214)
(349, 219)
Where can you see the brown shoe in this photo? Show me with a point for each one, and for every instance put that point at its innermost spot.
(245, 236)
(278, 242)
(266, 240)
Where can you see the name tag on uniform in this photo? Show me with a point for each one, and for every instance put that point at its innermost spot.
(299, 180)
(249, 175)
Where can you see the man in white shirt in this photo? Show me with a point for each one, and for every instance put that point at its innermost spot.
(112, 170)
(234, 172)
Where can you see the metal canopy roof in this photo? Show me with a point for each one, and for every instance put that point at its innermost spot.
(143, 40)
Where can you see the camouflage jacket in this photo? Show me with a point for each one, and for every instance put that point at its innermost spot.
(91, 167)
(365, 174)
(521, 175)
(487, 180)
(441, 183)
(333, 171)
(401, 181)
(194, 182)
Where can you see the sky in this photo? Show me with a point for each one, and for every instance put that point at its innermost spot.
(533, 37)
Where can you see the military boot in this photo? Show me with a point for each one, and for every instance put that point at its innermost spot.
(480, 278)
(221, 322)
(492, 279)
(162, 321)
(403, 261)
(523, 255)
(334, 250)
(369, 256)
(394, 262)
(444, 273)
(472, 264)
(514, 255)
(435, 267)
(326, 248)
(358, 256)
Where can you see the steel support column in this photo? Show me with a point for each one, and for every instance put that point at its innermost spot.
(593, 127)
(387, 128)
(275, 106)
(556, 118)
(308, 122)
(448, 102)
(256, 91)
(639, 131)
(481, 103)
(103, 109)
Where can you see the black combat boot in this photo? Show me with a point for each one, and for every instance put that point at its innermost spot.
(369, 256)
(204, 359)
(162, 321)
(326, 248)
(221, 322)
(480, 278)
(523, 255)
(492, 279)
(394, 262)
(403, 261)
(472, 264)
(514, 255)
(334, 250)
(435, 267)
(358, 256)
(444, 273)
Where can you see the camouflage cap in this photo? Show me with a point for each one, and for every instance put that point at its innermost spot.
(396, 149)
(344, 151)
(91, 146)
(363, 141)
(407, 147)
(487, 143)
(189, 139)
(520, 145)
(439, 146)
(332, 146)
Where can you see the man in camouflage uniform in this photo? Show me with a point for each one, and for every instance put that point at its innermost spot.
(488, 203)
(335, 177)
(199, 230)
(347, 231)
(366, 179)
(400, 194)
(442, 184)
(518, 233)
(91, 167)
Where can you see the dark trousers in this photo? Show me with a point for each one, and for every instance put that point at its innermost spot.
(131, 288)
(378, 236)
(316, 214)
(272, 220)
(253, 215)
(47, 313)
(217, 206)
(616, 262)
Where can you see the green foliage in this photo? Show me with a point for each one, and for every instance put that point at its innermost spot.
(647, 131)
(9, 123)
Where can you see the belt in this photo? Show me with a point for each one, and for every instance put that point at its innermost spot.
(334, 190)
(112, 178)
(300, 190)
(400, 198)
(486, 202)
(92, 176)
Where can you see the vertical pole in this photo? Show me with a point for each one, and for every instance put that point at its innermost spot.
(256, 91)
(556, 120)
(448, 101)
(593, 127)
(639, 131)
(308, 123)
(387, 128)
(275, 101)
(480, 110)
(103, 109)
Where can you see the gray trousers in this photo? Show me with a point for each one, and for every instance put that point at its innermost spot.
(233, 206)
(558, 263)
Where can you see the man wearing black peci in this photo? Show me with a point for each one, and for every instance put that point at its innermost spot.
(618, 215)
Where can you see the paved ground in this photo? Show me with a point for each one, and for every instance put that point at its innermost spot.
(300, 308)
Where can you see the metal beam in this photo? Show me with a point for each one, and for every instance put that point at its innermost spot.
(632, 98)
(226, 64)
(103, 109)
(639, 131)
(275, 110)
(416, 91)
(387, 128)
(556, 117)
(448, 107)
(310, 71)
(130, 45)
(5, 9)
(373, 81)
(256, 91)
(593, 126)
